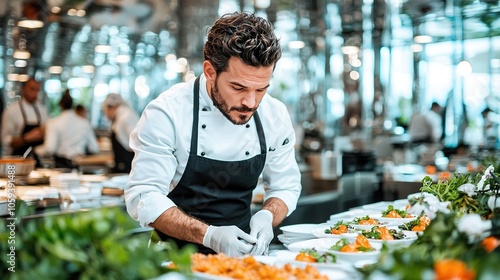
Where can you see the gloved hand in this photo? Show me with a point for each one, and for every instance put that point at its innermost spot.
(261, 227)
(229, 240)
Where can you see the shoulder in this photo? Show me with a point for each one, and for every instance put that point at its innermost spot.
(175, 100)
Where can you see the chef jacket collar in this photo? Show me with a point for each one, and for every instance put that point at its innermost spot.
(205, 100)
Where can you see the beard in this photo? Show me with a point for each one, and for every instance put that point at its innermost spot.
(222, 105)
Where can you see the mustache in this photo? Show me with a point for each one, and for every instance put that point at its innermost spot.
(243, 109)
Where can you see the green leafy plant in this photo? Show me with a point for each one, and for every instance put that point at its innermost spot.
(86, 245)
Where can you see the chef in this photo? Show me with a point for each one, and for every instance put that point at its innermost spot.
(23, 120)
(201, 146)
(123, 120)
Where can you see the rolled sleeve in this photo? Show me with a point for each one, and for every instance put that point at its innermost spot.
(147, 207)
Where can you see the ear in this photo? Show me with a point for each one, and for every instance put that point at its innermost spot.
(209, 71)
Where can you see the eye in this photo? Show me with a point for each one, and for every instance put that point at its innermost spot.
(238, 88)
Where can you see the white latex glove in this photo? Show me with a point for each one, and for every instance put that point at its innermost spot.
(229, 240)
(261, 227)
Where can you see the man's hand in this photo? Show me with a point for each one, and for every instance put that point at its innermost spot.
(229, 240)
(261, 227)
(36, 134)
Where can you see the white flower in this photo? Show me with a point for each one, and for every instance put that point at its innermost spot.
(493, 202)
(468, 188)
(487, 175)
(473, 225)
(429, 205)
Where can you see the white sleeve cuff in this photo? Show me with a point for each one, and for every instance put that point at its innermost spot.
(151, 206)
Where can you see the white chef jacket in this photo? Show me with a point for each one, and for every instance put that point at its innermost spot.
(426, 125)
(161, 142)
(123, 124)
(13, 124)
(67, 136)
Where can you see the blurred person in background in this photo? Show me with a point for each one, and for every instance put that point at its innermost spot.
(201, 146)
(23, 121)
(123, 120)
(490, 128)
(427, 127)
(67, 136)
(81, 111)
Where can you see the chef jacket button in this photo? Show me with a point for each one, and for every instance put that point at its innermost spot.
(247, 153)
(204, 109)
(202, 154)
(203, 126)
(248, 125)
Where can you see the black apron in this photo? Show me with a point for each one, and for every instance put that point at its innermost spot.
(123, 157)
(217, 192)
(27, 128)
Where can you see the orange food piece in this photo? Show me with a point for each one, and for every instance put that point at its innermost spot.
(430, 169)
(393, 214)
(490, 243)
(305, 257)
(424, 221)
(362, 241)
(385, 234)
(341, 229)
(370, 221)
(349, 248)
(449, 269)
(248, 268)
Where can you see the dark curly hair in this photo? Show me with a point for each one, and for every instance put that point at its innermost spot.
(245, 36)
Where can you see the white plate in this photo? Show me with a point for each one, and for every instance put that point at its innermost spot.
(323, 245)
(334, 271)
(320, 233)
(299, 230)
(394, 221)
(405, 242)
(287, 240)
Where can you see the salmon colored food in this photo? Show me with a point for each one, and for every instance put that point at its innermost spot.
(248, 268)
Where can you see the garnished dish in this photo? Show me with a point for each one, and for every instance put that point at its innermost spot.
(360, 245)
(394, 216)
(354, 251)
(383, 233)
(313, 256)
(337, 229)
(367, 222)
(249, 268)
(392, 212)
(419, 224)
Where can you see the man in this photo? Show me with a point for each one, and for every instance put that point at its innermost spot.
(123, 120)
(68, 136)
(201, 146)
(427, 127)
(22, 121)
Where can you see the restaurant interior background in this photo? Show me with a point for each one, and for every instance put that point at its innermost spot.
(349, 67)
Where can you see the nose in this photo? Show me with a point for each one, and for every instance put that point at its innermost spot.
(250, 99)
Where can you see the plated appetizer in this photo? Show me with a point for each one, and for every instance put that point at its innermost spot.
(360, 245)
(419, 224)
(313, 256)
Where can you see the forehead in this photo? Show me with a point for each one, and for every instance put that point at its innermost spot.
(238, 71)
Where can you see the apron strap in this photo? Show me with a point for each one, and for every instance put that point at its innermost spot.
(196, 107)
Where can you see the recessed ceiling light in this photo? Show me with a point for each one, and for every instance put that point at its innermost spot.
(29, 23)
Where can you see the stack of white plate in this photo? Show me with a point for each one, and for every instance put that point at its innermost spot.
(296, 233)
(65, 180)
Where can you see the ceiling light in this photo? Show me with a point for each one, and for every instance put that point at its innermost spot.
(416, 48)
(55, 9)
(89, 69)
(30, 23)
(102, 49)
(13, 77)
(20, 63)
(296, 44)
(349, 50)
(21, 54)
(55, 69)
(122, 58)
(23, 78)
(422, 39)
